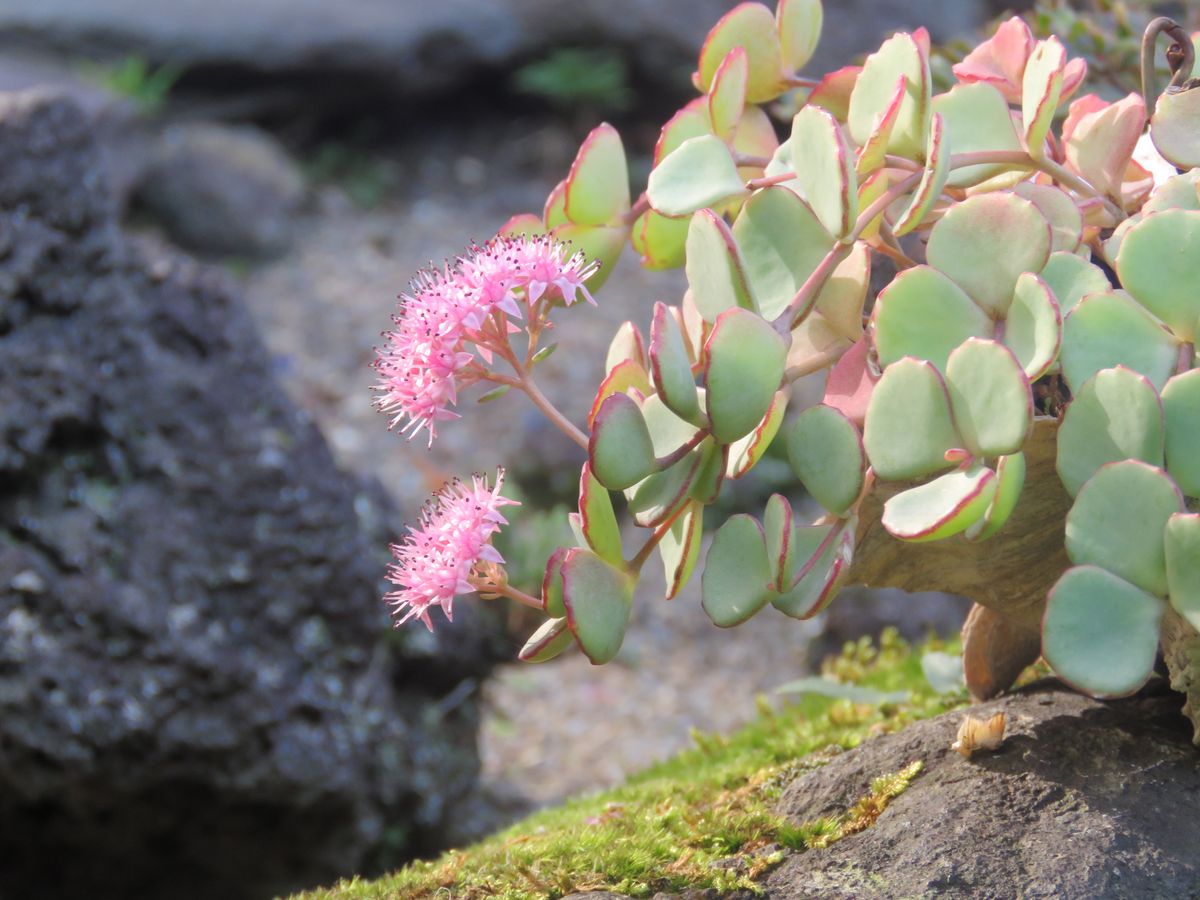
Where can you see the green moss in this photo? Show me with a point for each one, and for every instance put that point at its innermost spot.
(665, 827)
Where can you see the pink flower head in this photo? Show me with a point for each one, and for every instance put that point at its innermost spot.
(533, 265)
(426, 356)
(436, 560)
(1000, 61)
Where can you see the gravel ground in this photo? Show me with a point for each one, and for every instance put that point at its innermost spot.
(565, 726)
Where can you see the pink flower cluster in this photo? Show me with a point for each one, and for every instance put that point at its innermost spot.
(425, 357)
(435, 561)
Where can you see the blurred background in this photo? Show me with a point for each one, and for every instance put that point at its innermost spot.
(207, 210)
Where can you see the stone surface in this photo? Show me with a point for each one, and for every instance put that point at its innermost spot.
(217, 189)
(1083, 799)
(413, 47)
(199, 696)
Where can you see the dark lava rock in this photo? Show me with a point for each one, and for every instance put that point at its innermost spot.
(411, 47)
(217, 189)
(199, 694)
(1084, 799)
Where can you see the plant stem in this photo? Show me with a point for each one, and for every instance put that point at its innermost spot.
(1187, 358)
(790, 317)
(757, 162)
(755, 184)
(634, 566)
(665, 462)
(519, 596)
(1021, 159)
(816, 363)
(641, 205)
(526, 383)
(1181, 65)
(799, 81)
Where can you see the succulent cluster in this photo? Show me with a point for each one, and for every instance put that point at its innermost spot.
(1017, 411)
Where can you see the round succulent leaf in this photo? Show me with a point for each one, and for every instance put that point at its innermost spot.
(841, 301)
(1110, 329)
(985, 242)
(777, 533)
(990, 397)
(1182, 545)
(626, 344)
(655, 499)
(1117, 522)
(1100, 633)
(680, 547)
(599, 242)
(1158, 265)
(833, 91)
(727, 96)
(716, 270)
(737, 575)
(949, 504)
(575, 521)
(799, 25)
(754, 135)
(1010, 480)
(550, 639)
(976, 117)
(670, 367)
(598, 598)
(597, 518)
(900, 55)
(1181, 403)
(752, 27)
(1116, 415)
(1056, 206)
(699, 173)
(909, 426)
(810, 548)
(1099, 139)
(873, 154)
(1177, 192)
(1033, 328)
(1041, 88)
(710, 472)
(659, 241)
(529, 224)
(924, 314)
(873, 187)
(689, 122)
(668, 432)
(822, 577)
(552, 587)
(814, 337)
(1173, 127)
(744, 453)
(1071, 278)
(626, 377)
(824, 168)
(597, 190)
(781, 242)
(1112, 244)
(620, 450)
(826, 452)
(554, 212)
(744, 363)
(937, 168)
(851, 382)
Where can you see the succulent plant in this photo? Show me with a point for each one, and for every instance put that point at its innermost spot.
(1015, 417)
